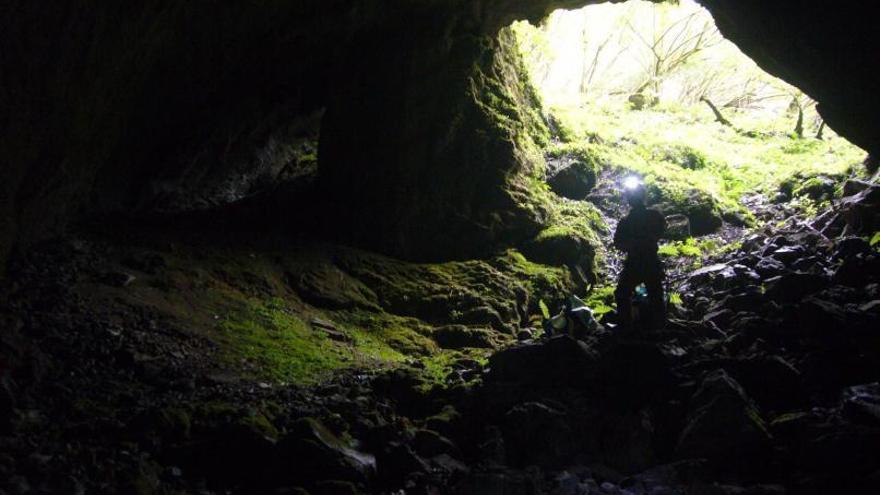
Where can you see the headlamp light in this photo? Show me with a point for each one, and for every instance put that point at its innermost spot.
(631, 183)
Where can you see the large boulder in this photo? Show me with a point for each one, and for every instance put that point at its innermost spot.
(793, 287)
(722, 420)
(573, 179)
(310, 451)
(560, 361)
(632, 375)
(559, 249)
(704, 217)
(535, 433)
(862, 210)
(461, 336)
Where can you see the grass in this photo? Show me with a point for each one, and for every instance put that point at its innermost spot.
(684, 156)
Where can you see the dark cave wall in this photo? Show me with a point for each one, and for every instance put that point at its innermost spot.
(121, 106)
(431, 151)
(162, 105)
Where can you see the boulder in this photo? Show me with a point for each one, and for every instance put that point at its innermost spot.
(678, 227)
(769, 267)
(817, 188)
(861, 403)
(819, 317)
(537, 434)
(861, 211)
(774, 383)
(397, 462)
(460, 336)
(722, 420)
(850, 247)
(335, 487)
(429, 443)
(309, 451)
(857, 271)
(855, 186)
(560, 361)
(326, 286)
(706, 273)
(628, 442)
(792, 287)
(231, 454)
(632, 375)
(573, 180)
(446, 422)
(704, 219)
(789, 254)
(560, 249)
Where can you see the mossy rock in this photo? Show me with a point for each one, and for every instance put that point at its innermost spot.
(435, 168)
(173, 422)
(559, 247)
(326, 286)
(570, 240)
(462, 292)
(461, 336)
(573, 181)
(703, 212)
(705, 218)
(641, 101)
(682, 155)
(322, 455)
(816, 188)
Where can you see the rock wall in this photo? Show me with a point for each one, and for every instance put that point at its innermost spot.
(431, 151)
(154, 105)
(427, 152)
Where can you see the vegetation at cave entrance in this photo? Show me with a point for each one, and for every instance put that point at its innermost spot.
(655, 90)
(636, 85)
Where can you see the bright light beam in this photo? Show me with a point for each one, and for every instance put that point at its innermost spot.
(631, 182)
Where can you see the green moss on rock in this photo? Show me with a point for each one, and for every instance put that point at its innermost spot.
(570, 239)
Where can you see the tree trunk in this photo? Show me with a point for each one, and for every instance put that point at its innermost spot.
(819, 133)
(799, 127)
(718, 117)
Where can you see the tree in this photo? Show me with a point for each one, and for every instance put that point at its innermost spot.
(670, 47)
(800, 103)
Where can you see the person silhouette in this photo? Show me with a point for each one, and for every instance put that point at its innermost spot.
(638, 235)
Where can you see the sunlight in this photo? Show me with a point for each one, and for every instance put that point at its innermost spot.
(654, 93)
(670, 53)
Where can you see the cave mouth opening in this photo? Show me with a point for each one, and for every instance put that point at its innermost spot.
(654, 89)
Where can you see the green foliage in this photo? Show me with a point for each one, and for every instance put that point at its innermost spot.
(686, 159)
(545, 311)
(689, 248)
(601, 300)
(875, 239)
(682, 155)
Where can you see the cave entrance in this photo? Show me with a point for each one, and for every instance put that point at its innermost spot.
(654, 89)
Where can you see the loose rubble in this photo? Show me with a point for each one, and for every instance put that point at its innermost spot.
(765, 381)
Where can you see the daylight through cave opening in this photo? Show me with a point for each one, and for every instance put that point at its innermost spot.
(656, 90)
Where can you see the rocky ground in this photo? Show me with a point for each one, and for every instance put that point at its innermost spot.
(765, 381)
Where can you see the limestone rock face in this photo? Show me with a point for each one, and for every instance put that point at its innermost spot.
(428, 152)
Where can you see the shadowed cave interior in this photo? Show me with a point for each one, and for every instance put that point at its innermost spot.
(311, 247)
